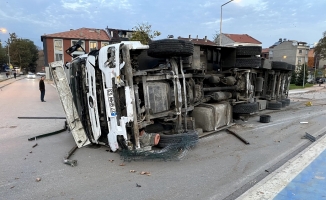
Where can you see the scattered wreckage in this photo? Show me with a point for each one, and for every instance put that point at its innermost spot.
(167, 94)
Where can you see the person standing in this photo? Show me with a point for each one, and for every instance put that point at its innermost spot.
(42, 88)
(15, 74)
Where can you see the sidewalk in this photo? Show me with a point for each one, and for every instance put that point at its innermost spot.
(3, 77)
(308, 89)
(6, 81)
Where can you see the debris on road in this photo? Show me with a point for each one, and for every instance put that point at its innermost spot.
(66, 159)
(34, 145)
(38, 179)
(132, 171)
(309, 137)
(111, 160)
(137, 185)
(303, 122)
(309, 103)
(122, 164)
(145, 173)
(238, 136)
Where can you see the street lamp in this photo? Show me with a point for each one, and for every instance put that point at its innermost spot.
(221, 21)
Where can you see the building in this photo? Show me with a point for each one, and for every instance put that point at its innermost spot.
(317, 63)
(54, 45)
(238, 40)
(118, 35)
(265, 53)
(40, 62)
(290, 51)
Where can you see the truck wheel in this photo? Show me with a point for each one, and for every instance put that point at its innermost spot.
(190, 138)
(283, 103)
(265, 118)
(248, 62)
(287, 101)
(245, 108)
(274, 105)
(170, 47)
(248, 50)
(280, 65)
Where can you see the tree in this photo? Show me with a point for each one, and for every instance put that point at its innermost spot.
(143, 33)
(320, 48)
(293, 77)
(23, 52)
(3, 55)
(215, 38)
(303, 72)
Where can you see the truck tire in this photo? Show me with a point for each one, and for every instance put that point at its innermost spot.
(274, 105)
(191, 137)
(170, 47)
(287, 101)
(265, 118)
(283, 103)
(245, 108)
(248, 62)
(280, 65)
(248, 50)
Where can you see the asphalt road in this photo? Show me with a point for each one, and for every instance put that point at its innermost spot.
(216, 168)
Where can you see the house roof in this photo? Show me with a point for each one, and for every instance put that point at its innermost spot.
(199, 41)
(81, 33)
(266, 50)
(242, 38)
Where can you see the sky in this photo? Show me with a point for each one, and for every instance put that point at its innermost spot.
(264, 20)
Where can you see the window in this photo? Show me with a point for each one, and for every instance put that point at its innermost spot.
(58, 50)
(300, 51)
(73, 42)
(299, 61)
(58, 57)
(104, 44)
(92, 45)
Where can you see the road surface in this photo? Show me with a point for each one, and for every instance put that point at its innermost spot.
(219, 167)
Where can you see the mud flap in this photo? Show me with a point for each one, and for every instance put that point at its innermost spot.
(73, 120)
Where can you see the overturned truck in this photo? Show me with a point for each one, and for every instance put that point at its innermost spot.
(135, 97)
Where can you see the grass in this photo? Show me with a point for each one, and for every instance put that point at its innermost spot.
(293, 86)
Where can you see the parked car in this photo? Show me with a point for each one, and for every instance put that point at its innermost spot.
(40, 73)
(31, 75)
(320, 78)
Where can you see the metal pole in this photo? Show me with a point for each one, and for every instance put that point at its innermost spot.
(315, 67)
(304, 73)
(221, 22)
(221, 27)
(8, 55)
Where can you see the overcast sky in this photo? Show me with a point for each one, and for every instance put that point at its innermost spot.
(266, 21)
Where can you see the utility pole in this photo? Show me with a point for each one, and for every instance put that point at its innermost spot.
(221, 22)
(304, 73)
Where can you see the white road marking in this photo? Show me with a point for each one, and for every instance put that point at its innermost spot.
(282, 121)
